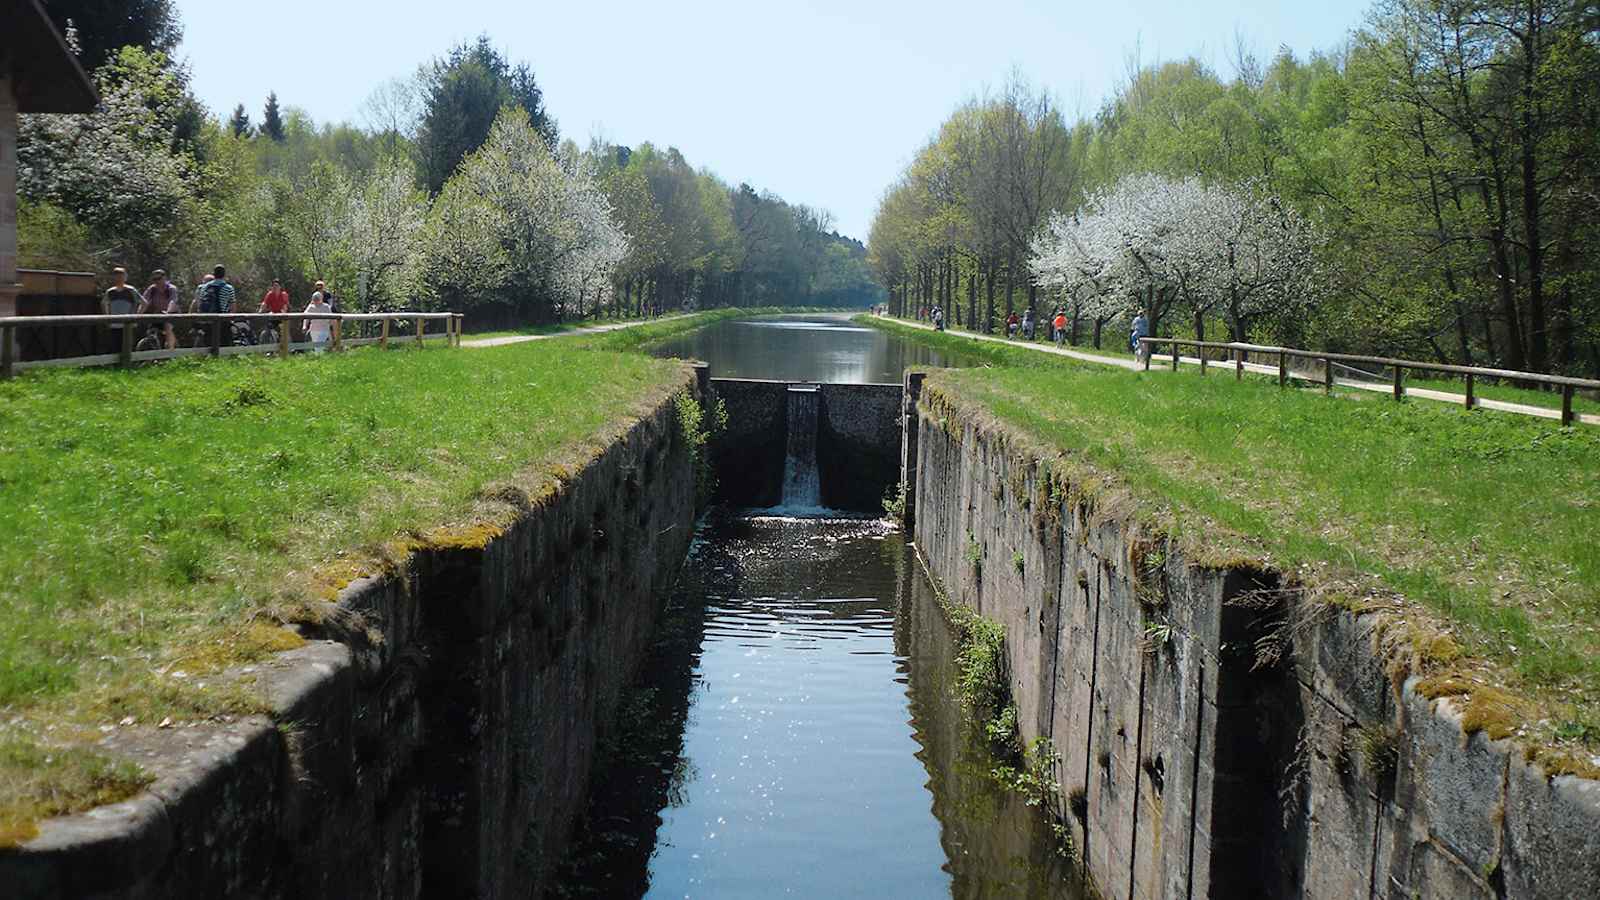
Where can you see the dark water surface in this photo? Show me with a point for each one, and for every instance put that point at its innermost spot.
(823, 348)
(800, 737)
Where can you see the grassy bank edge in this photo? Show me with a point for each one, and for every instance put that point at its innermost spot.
(1413, 639)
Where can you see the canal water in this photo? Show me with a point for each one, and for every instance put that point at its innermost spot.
(796, 731)
(822, 348)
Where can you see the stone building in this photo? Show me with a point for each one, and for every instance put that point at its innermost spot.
(38, 74)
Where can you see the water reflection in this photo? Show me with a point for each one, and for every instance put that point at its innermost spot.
(824, 348)
(800, 737)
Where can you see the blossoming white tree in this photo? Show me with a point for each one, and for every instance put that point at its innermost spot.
(516, 221)
(1156, 244)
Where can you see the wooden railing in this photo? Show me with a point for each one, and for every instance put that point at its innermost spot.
(1567, 385)
(215, 329)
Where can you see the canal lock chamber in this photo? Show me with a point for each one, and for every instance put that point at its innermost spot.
(797, 727)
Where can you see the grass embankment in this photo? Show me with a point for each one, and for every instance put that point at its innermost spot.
(159, 525)
(1477, 531)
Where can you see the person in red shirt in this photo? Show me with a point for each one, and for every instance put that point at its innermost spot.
(276, 300)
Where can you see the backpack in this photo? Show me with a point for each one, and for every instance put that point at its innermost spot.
(210, 299)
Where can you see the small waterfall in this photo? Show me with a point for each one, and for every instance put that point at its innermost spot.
(802, 490)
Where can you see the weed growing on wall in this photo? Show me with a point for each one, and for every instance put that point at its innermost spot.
(894, 503)
(1035, 780)
(698, 425)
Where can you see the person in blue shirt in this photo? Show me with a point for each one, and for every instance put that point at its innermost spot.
(1141, 329)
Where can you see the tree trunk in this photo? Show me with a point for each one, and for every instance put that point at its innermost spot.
(1527, 131)
(972, 301)
(988, 288)
(1011, 270)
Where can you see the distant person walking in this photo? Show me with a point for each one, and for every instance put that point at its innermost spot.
(1059, 324)
(160, 298)
(1012, 324)
(1027, 324)
(119, 300)
(320, 330)
(938, 319)
(1141, 329)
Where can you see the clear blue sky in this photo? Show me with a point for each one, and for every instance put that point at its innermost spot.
(822, 102)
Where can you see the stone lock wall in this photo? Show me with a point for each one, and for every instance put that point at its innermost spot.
(433, 738)
(1191, 766)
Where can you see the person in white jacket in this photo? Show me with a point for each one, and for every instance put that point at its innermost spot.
(320, 330)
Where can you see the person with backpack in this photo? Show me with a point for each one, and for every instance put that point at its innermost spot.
(216, 295)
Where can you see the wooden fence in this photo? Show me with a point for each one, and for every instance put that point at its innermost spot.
(215, 330)
(1568, 386)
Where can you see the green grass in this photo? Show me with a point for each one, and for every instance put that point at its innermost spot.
(1507, 392)
(550, 328)
(1489, 521)
(158, 524)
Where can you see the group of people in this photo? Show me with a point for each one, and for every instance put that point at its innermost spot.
(212, 294)
(1025, 326)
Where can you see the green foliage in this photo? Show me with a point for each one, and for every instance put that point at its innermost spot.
(272, 119)
(698, 426)
(1035, 780)
(981, 663)
(894, 503)
(973, 554)
(103, 27)
(463, 94)
(1447, 153)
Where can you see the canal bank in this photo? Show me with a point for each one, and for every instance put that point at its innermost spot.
(433, 736)
(1217, 733)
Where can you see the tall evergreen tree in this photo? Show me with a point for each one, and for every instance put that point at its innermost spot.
(106, 26)
(272, 119)
(463, 93)
(239, 122)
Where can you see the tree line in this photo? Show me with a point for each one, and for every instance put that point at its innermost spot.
(1437, 177)
(454, 191)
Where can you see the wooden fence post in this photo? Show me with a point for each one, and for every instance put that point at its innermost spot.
(1147, 349)
(1327, 376)
(338, 334)
(125, 352)
(1283, 369)
(1174, 346)
(1566, 404)
(283, 338)
(1399, 383)
(8, 351)
(216, 336)
(1202, 352)
(421, 324)
(383, 335)
(1238, 365)
(1471, 393)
